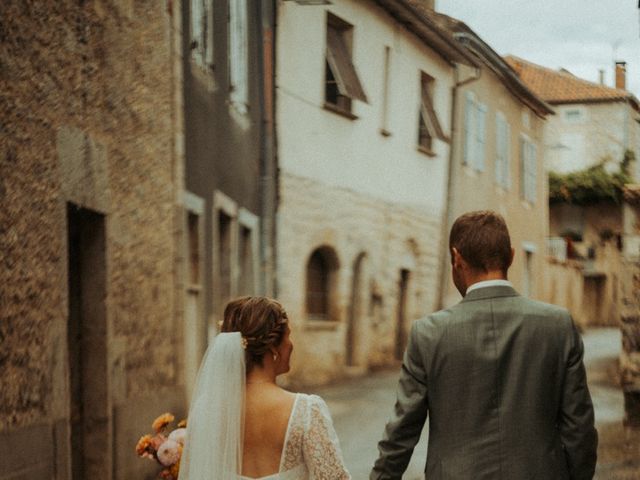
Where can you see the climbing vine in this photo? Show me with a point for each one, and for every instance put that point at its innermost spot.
(591, 185)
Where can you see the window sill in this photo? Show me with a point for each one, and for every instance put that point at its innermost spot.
(426, 151)
(316, 324)
(343, 113)
(203, 74)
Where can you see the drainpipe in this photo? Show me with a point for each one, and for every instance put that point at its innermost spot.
(265, 10)
(452, 170)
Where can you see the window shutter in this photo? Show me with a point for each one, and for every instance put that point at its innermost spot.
(429, 114)
(523, 168)
(197, 38)
(238, 54)
(533, 172)
(468, 128)
(339, 60)
(499, 166)
(481, 116)
(208, 32)
(507, 155)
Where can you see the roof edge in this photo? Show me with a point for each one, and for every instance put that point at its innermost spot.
(432, 35)
(504, 71)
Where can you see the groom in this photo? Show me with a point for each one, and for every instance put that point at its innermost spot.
(501, 376)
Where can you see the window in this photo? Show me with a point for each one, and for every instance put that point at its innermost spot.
(503, 142)
(428, 124)
(224, 256)
(321, 272)
(248, 224)
(193, 226)
(528, 166)
(201, 32)
(342, 84)
(384, 129)
(475, 132)
(573, 115)
(526, 119)
(224, 249)
(238, 55)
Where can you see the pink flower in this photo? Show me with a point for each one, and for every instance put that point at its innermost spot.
(178, 435)
(169, 453)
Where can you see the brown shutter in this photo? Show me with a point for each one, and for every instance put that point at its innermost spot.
(341, 66)
(430, 117)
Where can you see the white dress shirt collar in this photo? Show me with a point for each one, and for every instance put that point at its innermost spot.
(489, 283)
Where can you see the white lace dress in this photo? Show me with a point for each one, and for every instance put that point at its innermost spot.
(311, 449)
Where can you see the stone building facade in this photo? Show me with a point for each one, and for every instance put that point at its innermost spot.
(630, 308)
(595, 124)
(497, 160)
(90, 169)
(230, 171)
(363, 121)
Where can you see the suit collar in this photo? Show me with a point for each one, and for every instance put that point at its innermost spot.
(490, 292)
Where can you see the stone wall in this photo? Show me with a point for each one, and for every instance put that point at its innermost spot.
(385, 238)
(87, 105)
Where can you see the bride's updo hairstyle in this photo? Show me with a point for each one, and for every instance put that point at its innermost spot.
(262, 322)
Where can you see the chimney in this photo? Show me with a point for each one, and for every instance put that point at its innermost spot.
(601, 76)
(621, 75)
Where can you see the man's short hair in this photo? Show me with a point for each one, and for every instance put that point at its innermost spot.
(482, 239)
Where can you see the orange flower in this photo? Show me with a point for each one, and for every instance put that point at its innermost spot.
(160, 423)
(143, 444)
(183, 423)
(175, 469)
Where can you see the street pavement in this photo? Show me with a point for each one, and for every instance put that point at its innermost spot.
(360, 408)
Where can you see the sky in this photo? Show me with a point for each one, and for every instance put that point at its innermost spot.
(581, 36)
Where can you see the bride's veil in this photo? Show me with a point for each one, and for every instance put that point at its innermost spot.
(213, 447)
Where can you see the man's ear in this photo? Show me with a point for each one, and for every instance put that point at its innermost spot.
(455, 257)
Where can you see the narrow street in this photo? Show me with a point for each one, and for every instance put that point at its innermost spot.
(361, 407)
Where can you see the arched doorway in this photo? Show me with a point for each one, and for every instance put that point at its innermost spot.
(321, 276)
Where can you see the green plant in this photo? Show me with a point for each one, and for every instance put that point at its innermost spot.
(591, 185)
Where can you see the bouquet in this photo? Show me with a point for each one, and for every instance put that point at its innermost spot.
(164, 449)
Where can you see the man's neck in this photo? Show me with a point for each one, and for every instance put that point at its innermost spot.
(483, 277)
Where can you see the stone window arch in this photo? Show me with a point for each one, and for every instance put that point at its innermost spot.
(321, 276)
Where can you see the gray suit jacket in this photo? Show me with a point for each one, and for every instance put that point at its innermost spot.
(503, 380)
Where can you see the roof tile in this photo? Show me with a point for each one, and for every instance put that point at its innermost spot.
(561, 86)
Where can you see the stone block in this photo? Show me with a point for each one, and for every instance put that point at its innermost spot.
(27, 451)
(83, 169)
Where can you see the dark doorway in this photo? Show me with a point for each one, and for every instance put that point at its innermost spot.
(86, 335)
(401, 321)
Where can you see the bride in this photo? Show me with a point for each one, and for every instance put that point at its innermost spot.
(242, 426)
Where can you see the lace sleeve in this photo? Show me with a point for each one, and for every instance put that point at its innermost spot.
(321, 446)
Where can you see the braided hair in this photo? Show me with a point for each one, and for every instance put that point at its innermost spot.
(262, 322)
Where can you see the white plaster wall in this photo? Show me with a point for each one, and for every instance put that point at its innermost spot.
(319, 144)
(606, 130)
